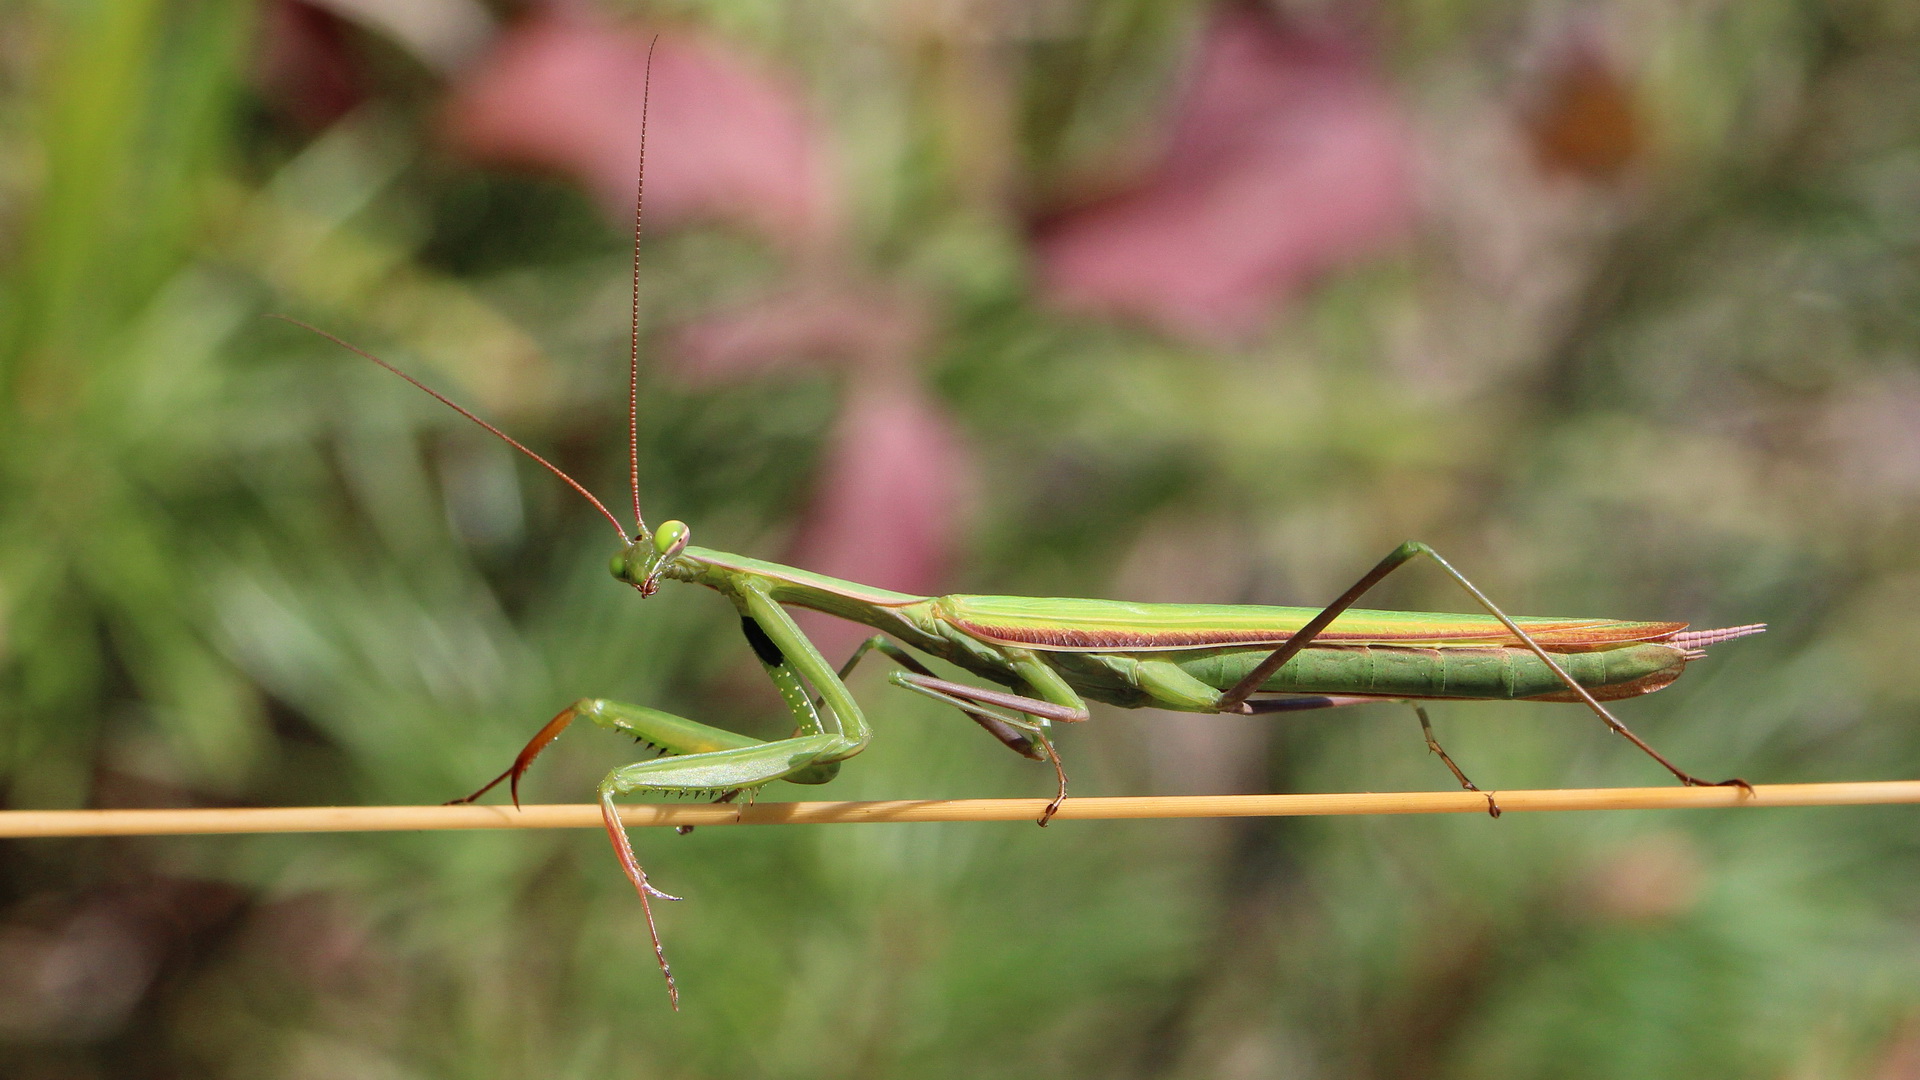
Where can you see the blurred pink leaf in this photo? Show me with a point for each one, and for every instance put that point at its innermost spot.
(889, 500)
(726, 137)
(891, 493)
(306, 65)
(1288, 156)
(806, 327)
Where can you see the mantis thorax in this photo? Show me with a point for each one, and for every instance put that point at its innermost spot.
(649, 555)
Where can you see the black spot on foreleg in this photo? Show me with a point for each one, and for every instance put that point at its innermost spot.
(763, 646)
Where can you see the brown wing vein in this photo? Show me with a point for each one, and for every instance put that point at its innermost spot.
(1063, 637)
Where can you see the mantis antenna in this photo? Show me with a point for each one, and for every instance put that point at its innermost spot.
(633, 358)
(633, 355)
(449, 403)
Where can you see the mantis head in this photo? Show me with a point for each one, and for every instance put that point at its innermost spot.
(642, 561)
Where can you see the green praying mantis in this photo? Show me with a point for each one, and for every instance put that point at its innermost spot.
(1053, 655)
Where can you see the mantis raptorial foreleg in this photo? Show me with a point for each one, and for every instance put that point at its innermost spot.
(1235, 699)
(703, 760)
(662, 731)
(710, 761)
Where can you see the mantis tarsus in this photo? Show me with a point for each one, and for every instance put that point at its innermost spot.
(1054, 655)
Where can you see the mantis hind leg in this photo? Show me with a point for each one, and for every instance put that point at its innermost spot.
(1235, 699)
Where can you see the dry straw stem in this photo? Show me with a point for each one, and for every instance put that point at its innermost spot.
(27, 823)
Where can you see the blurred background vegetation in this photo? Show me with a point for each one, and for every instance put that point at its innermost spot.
(1614, 302)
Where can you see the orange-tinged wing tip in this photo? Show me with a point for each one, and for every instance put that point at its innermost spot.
(1694, 640)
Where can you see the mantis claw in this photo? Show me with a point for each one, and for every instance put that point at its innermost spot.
(1060, 773)
(547, 733)
(1694, 781)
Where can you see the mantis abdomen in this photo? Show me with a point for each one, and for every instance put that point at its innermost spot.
(1506, 673)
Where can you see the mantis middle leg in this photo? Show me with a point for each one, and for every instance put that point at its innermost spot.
(1303, 702)
(994, 709)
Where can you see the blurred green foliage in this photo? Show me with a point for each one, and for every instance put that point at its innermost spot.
(238, 565)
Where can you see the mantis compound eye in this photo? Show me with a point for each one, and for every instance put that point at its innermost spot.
(671, 539)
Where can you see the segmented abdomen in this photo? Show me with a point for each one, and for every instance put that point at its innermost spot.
(1459, 671)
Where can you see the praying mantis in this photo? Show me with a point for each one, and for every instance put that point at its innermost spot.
(1054, 655)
